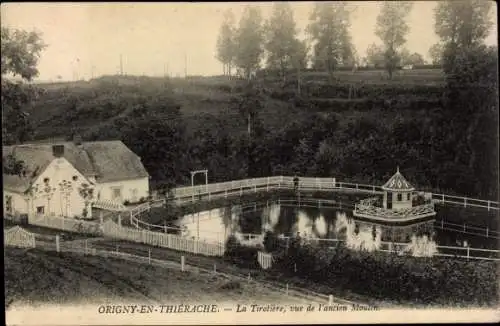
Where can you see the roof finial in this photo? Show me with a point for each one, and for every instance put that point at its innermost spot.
(397, 169)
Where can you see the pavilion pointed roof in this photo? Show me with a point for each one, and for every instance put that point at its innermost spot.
(397, 183)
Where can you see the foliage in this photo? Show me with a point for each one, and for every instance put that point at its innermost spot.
(417, 280)
(284, 49)
(12, 166)
(20, 53)
(436, 53)
(226, 47)
(240, 255)
(375, 55)
(249, 40)
(329, 29)
(391, 29)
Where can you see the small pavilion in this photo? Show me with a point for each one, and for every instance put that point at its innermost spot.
(398, 193)
(398, 204)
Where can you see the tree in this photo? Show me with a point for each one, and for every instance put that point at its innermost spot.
(329, 29)
(282, 44)
(408, 58)
(375, 55)
(392, 28)
(436, 53)
(225, 43)
(461, 25)
(249, 41)
(20, 54)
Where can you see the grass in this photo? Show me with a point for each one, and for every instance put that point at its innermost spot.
(36, 277)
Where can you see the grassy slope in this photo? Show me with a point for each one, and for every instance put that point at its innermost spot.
(34, 276)
(198, 96)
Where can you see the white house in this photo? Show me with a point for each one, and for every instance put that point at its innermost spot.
(67, 179)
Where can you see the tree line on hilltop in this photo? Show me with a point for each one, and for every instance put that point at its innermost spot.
(329, 44)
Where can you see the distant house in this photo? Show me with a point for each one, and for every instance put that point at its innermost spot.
(67, 179)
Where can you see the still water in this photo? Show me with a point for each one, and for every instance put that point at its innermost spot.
(310, 221)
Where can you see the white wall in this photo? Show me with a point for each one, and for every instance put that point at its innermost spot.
(58, 204)
(130, 190)
(404, 203)
(19, 203)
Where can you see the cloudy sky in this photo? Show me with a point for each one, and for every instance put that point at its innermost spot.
(86, 39)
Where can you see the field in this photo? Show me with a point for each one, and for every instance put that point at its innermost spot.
(38, 277)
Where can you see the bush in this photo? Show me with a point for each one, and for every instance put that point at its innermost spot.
(399, 278)
(240, 255)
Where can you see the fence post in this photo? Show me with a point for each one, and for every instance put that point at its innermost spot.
(464, 227)
(119, 219)
(486, 231)
(287, 289)
(86, 246)
(465, 202)
(149, 256)
(182, 263)
(330, 300)
(442, 223)
(225, 193)
(468, 252)
(248, 278)
(101, 216)
(57, 243)
(488, 205)
(117, 249)
(215, 268)
(442, 198)
(267, 185)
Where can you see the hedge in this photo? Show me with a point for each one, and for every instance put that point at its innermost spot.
(404, 279)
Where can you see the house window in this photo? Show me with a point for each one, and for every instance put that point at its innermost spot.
(40, 210)
(8, 204)
(400, 197)
(408, 196)
(117, 193)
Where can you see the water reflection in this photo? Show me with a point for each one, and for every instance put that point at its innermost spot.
(249, 223)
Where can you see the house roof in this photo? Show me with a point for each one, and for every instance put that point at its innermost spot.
(397, 183)
(106, 160)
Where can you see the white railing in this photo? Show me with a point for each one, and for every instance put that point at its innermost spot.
(164, 240)
(379, 213)
(225, 189)
(66, 224)
(18, 237)
(400, 247)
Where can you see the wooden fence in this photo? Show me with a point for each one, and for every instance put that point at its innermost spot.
(165, 240)
(19, 237)
(239, 187)
(66, 224)
(265, 260)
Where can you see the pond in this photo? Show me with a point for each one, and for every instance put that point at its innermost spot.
(311, 219)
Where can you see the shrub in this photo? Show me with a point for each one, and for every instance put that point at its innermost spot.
(400, 278)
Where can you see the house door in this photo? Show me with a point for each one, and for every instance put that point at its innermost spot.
(389, 201)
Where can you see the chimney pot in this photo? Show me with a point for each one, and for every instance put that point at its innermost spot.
(58, 150)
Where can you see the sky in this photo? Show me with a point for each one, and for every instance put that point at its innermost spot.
(88, 39)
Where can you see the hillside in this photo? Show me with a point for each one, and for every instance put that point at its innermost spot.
(358, 131)
(36, 277)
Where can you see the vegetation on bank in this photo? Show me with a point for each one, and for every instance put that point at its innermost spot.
(377, 275)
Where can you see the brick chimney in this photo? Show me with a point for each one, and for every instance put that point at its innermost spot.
(77, 139)
(58, 150)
